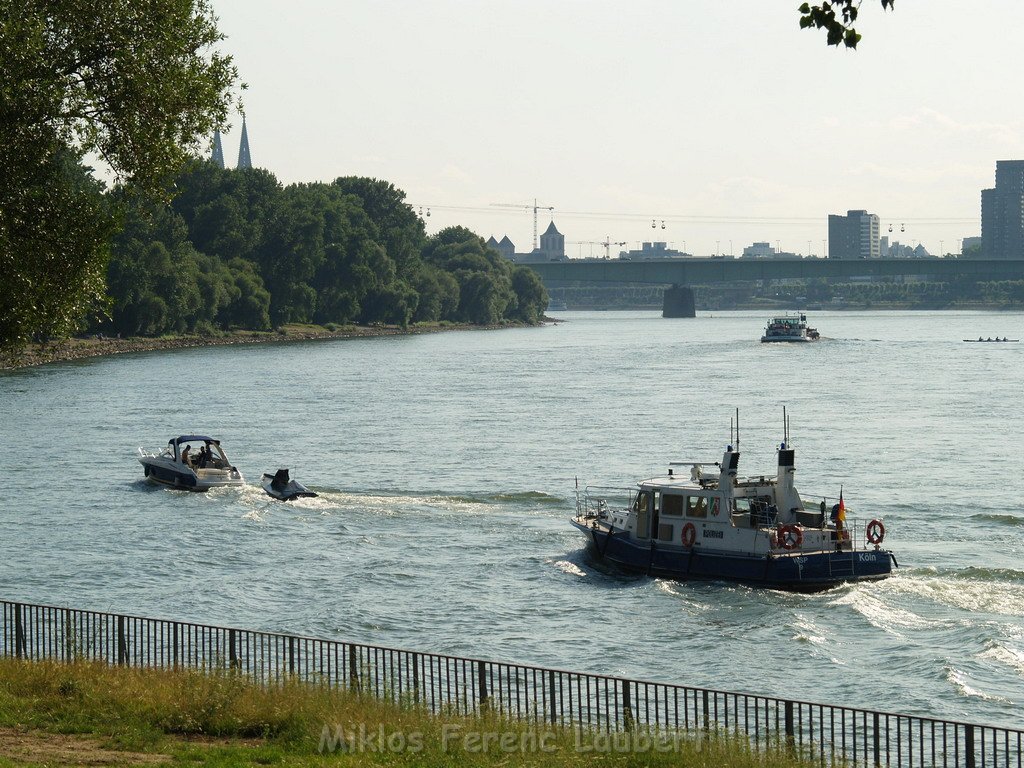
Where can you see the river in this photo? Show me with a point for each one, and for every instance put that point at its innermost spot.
(446, 465)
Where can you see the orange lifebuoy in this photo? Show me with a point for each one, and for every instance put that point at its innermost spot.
(689, 535)
(790, 537)
(876, 531)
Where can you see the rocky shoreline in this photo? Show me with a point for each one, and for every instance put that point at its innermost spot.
(92, 346)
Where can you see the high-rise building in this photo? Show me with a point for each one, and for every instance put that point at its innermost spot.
(1002, 213)
(244, 160)
(854, 236)
(217, 152)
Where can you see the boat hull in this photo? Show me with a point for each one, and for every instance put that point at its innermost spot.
(171, 474)
(287, 492)
(798, 571)
(786, 339)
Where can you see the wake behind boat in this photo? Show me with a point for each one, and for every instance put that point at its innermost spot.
(192, 463)
(723, 526)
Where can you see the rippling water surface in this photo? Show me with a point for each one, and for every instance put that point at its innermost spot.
(446, 468)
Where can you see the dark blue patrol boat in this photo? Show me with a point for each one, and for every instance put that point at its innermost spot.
(718, 525)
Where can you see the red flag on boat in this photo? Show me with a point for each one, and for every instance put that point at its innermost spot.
(841, 517)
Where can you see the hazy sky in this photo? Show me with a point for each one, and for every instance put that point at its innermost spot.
(722, 118)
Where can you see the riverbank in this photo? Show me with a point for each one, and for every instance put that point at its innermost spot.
(86, 713)
(97, 346)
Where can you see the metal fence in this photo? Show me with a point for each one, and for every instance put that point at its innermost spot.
(827, 734)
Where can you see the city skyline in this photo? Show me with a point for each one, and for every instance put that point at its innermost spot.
(725, 122)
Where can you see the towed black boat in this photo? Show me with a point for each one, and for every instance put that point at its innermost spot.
(283, 488)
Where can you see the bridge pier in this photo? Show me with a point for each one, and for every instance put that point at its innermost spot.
(678, 302)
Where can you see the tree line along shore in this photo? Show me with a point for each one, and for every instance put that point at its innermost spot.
(236, 252)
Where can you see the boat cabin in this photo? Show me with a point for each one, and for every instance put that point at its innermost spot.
(726, 511)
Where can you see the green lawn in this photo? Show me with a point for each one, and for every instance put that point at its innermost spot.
(93, 714)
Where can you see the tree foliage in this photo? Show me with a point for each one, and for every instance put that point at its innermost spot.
(837, 19)
(134, 83)
(238, 250)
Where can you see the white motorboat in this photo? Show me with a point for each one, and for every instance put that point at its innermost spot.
(191, 463)
(790, 328)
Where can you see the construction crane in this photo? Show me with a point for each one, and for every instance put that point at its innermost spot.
(527, 207)
(606, 244)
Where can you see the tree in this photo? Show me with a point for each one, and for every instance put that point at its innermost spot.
(483, 276)
(137, 84)
(55, 227)
(401, 230)
(838, 26)
(531, 295)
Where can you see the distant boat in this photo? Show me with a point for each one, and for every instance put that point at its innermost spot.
(990, 339)
(791, 328)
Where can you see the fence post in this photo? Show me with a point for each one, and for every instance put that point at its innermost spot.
(353, 669)
(790, 734)
(878, 741)
(707, 711)
(122, 642)
(551, 696)
(19, 633)
(232, 650)
(627, 707)
(291, 655)
(174, 644)
(69, 636)
(416, 677)
(481, 681)
(969, 746)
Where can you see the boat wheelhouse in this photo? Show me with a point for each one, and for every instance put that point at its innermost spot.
(719, 525)
(192, 463)
(791, 327)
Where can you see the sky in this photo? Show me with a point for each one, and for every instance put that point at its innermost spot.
(721, 118)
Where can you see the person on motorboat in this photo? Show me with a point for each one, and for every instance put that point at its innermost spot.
(185, 456)
(204, 456)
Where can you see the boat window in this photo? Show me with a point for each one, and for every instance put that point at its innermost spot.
(640, 504)
(672, 505)
(741, 506)
(642, 507)
(697, 506)
(763, 512)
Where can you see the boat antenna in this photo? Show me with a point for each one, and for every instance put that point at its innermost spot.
(737, 430)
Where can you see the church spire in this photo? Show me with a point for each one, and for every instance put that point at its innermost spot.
(217, 152)
(244, 160)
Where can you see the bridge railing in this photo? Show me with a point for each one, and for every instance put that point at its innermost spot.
(548, 697)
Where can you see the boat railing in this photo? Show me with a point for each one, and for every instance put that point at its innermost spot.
(852, 537)
(597, 501)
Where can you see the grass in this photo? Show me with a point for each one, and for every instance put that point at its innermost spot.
(90, 713)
